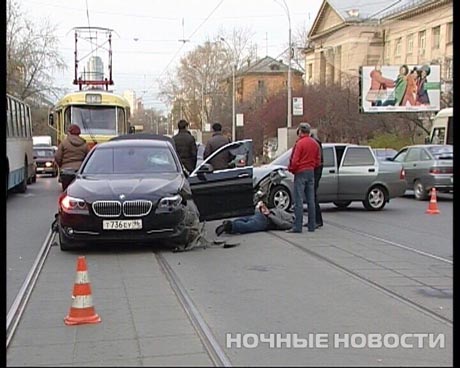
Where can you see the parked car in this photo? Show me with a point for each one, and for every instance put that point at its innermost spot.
(44, 160)
(384, 153)
(427, 166)
(135, 190)
(351, 173)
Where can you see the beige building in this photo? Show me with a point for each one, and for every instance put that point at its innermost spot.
(345, 37)
(131, 97)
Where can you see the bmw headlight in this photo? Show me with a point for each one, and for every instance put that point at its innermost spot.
(73, 205)
(168, 204)
(48, 164)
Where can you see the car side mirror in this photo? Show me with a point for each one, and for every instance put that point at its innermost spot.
(50, 119)
(389, 158)
(205, 169)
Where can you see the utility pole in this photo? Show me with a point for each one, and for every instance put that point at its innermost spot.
(233, 94)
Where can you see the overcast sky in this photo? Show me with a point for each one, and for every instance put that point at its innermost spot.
(145, 42)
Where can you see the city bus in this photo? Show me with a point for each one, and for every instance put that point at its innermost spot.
(101, 115)
(20, 168)
(442, 129)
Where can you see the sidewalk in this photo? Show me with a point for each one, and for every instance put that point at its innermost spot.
(143, 323)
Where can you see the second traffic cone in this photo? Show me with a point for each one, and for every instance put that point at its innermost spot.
(82, 310)
(433, 206)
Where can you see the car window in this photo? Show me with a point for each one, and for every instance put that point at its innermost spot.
(283, 159)
(400, 156)
(328, 157)
(442, 152)
(424, 155)
(238, 153)
(413, 154)
(130, 160)
(358, 156)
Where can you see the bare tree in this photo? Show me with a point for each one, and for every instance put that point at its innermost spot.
(32, 56)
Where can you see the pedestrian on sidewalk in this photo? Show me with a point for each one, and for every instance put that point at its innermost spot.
(264, 219)
(305, 157)
(185, 146)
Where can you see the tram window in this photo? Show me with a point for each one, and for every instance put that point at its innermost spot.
(21, 121)
(14, 119)
(121, 123)
(8, 117)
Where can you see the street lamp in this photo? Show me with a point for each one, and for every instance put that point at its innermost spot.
(289, 114)
(233, 95)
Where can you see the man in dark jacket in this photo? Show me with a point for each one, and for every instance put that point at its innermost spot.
(218, 140)
(185, 146)
(264, 219)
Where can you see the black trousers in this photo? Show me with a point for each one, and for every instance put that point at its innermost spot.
(319, 216)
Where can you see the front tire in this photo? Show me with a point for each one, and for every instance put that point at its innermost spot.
(376, 199)
(420, 192)
(280, 198)
(342, 204)
(23, 186)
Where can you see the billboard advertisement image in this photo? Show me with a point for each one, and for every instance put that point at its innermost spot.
(400, 88)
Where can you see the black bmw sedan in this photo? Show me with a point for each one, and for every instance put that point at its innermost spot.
(136, 190)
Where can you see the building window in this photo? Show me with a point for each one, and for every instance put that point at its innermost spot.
(422, 42)
(410, 44)
(449, 69)
(436, 37)
(450, 32)
(310, 71)
(260, 84)
(388, 50)
(398, 43)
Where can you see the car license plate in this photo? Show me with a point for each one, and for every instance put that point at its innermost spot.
(122, 224)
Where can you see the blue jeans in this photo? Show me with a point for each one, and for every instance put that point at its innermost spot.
(304, 185)
(250, 224)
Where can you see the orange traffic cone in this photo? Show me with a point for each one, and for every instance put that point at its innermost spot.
(433, 206)
(82, 310)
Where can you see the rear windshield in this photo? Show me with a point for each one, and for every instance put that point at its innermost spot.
(442, 152)
(131, 160)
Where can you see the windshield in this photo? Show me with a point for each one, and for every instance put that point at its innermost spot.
(283, 159)
(442, 152)
(94, 119)
(43, 153)
(130, 160)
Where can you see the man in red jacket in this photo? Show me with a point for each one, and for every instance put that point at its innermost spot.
(305, 157)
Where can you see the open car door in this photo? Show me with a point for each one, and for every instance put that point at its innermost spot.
(225, 193)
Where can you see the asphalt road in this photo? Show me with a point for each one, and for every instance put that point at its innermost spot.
(387, 272)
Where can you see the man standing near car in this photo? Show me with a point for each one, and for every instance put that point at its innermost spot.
(305, 157)
(185, 146)
(220, 161)
(318, 173)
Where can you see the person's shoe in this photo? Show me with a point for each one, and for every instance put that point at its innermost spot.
(293, 231)
(220, 229)
(317, 226)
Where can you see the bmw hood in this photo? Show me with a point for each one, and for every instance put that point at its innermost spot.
(91, 188)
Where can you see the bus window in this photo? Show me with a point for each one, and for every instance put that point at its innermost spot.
(14, 118)
(450, 131)
(8, 118)
(438, 135)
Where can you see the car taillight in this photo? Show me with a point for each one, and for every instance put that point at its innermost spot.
(73, 205)
(402, 174)
(441, 170)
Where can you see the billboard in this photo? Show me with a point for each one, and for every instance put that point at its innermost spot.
(400, 88)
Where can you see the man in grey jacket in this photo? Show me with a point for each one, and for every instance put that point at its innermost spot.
(264, 219)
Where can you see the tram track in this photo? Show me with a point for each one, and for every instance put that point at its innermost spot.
(19, 304)
(214, 350)
(376, 285)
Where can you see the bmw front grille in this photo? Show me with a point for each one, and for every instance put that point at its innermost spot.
(137, 208)
(134, 208)
(107, 208)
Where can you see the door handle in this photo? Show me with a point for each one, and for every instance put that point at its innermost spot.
(371, 170)
(244, 175)
(332, 171)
